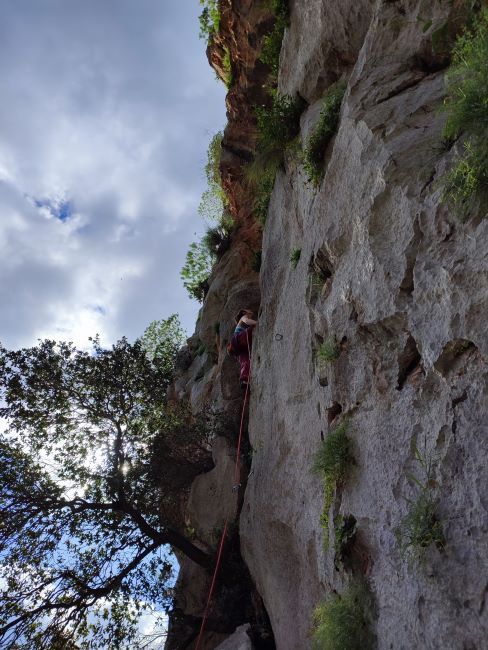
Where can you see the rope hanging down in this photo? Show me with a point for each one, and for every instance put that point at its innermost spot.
(235, 488)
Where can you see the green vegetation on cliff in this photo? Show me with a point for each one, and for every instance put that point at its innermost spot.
(332, 462)
(345, 621)
(270, 53)
(278, 124)
(213, 207)
(227, 68)
(322, 133)
(421, 528)
(295, 257)
(329, 350)
(277, 119)
(214, 198)
(466, 105)
(196, 270)
(209, 19)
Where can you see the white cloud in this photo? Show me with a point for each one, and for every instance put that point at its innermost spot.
(107, 107)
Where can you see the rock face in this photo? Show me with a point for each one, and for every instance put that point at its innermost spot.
(404, 292)
(238, 641)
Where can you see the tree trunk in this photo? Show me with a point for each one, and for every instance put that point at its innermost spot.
(189, 549)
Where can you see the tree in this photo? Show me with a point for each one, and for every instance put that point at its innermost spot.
(209, 19)
(162, 339)
(214, 199)
(196, 271)
(92, 468)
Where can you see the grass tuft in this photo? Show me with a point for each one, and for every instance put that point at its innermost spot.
(218, 239)
(260, 177)
(466, 184)
(295, 257)
(466, 104)
(321, 135)
(333, 458)
(332, 462)
(227, 68)
(329, 350)
(421, 528)
(345, 622)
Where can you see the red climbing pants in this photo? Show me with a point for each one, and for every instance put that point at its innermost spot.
(244, 340)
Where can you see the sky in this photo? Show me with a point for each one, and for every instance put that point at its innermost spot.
(107, 110)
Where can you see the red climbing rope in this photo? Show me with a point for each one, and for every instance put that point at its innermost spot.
(235, 487)
(237, 473)
(212, 586)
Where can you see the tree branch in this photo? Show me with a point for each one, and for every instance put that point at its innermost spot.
(113, 583)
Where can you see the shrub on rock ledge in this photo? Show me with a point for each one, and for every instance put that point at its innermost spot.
(322, 133)
(209, 19)
(332, 462)
(295, 257)
(329, 350)
(345, 621)
(278, 124)
(467, 107)
(270, 53)
(421, 527)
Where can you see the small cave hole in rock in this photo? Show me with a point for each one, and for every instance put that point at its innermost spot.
(345, 538)
(407, 285)
(408, 362)
(320, 273)
(451, 354)
(441, 438)
(459, 400)
(333, 411)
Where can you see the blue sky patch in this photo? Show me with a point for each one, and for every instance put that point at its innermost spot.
(61, 210)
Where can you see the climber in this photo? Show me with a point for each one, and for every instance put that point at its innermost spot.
(241, 343)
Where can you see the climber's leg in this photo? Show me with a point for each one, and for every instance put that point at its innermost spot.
(245, 362)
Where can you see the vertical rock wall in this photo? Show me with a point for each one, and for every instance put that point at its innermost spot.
(406, 296)
(404, 292)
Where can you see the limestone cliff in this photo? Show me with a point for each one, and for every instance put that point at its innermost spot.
(403, 292)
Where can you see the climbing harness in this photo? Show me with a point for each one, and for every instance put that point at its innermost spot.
(235, 488)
